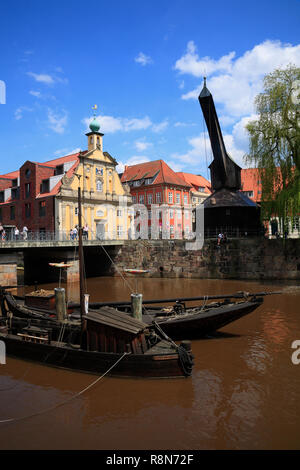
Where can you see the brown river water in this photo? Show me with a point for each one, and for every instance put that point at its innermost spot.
(244, 392)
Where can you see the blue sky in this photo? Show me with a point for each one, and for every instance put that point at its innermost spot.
(142, 62)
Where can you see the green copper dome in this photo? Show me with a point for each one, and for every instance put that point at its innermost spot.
(95, 125)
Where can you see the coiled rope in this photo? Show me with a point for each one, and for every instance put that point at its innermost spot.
(10, 420)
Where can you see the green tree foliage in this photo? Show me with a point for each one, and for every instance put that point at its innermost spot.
(275, 144)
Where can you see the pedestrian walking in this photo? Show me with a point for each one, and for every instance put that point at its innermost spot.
(85, 232)
(17, 233)
(25, 232)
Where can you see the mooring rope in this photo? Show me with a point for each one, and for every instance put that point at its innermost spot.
(186, 358)
(10, 420)
(120, 272)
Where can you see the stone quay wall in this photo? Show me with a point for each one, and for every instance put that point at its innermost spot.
(245, 258)
(8, 274)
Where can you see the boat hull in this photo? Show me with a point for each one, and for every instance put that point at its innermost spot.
(200, 324)
(158, 365)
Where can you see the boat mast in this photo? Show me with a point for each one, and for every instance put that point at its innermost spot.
(81, 264)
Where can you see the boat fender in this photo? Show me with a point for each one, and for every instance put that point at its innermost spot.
(179, 307)
(185, 357)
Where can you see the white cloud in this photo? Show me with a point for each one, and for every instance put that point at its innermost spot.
(136, 124)
(237, 154)
(110, 124)
(37, 94)
(142, 145)
(132, 161)
(42, 78)
(66, 151)
(57, 122)
(199, 153)
(191, 64)
(234, 83)
(19, 112)
(143, 59)
(184, 124)
(175, 165)
(48, 79)
(161, 126)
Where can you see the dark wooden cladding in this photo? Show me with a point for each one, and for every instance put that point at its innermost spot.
(112, 317)
(107, 338)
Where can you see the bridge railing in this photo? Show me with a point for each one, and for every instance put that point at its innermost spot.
(48, 236)
(65, 236)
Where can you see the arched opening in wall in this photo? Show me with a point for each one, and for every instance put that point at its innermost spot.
(99, 261)
(37, 269)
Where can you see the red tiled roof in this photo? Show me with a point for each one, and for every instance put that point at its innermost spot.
(12, 175)
(195, 181)
(50, 163)
(69, 173)
(250, 180)
(61, 160)
(149, 169)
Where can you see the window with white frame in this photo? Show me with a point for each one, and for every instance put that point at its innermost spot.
(141, 198)
(170, 197)
(185, 199)
(177, 198)
(158, 197)
(150, 198)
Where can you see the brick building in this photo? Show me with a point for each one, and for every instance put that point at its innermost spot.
(251, 186)
(44, 196)
(27, 196)
(164, 193)
(200, 187)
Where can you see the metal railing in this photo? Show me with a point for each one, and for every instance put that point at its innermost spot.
(48, 236)
(65, 236)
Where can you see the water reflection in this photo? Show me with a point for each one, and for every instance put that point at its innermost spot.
(244, 392)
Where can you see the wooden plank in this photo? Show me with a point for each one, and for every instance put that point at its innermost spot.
(144, 343)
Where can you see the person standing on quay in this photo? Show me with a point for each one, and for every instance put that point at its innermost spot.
(25, 232)
(17, 233)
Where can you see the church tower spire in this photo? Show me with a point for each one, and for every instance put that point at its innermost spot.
(94, 136)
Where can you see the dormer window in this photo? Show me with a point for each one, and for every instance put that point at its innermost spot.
(59, 170)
